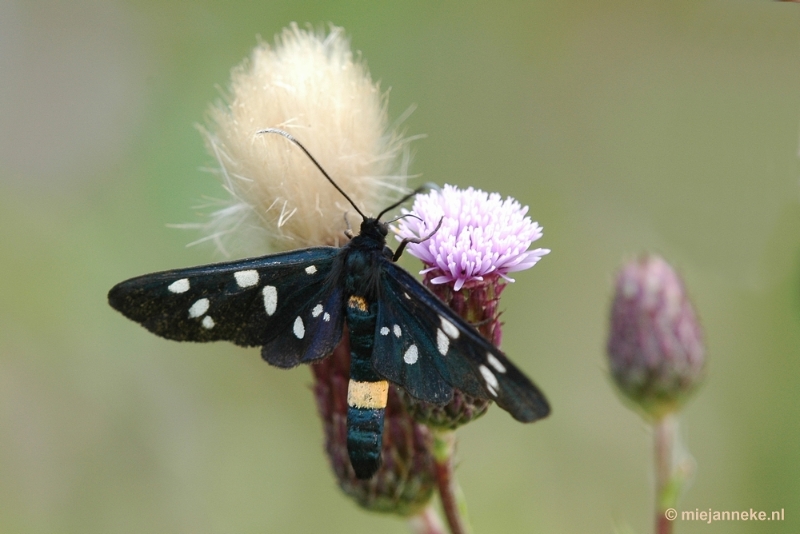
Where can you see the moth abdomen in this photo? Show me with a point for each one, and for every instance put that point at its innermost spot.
(366, 404)
(367, 392)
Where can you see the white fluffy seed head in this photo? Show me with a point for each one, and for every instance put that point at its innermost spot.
(310, 85)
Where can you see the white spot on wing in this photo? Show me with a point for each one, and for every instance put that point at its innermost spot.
(411, 355)
(449, 328)
(494, 362)
(406, 295)
(179, 286)
(326, 317)
(299, 329)
(311, 269)
(246, 278)
(442, 342)
(270, 299)
(317, 310)
(397, 331)
(208, 322)
(198, 308)
(491, 380)
(384, 331)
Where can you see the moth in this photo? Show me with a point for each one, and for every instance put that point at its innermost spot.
(295, 305)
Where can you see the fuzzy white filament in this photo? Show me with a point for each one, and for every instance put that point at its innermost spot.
(310, 85)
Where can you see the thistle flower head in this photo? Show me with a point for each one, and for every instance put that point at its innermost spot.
(481, 235)
(655, 346)
(310, 85)
(482, 238)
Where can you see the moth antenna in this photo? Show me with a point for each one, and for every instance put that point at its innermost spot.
(291, 138)
(408, 240)
(403, 217)
(415, 192)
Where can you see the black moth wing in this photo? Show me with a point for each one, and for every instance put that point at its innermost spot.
(289, 303)
(459, 356)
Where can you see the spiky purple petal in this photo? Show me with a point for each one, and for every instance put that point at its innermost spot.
(481, 234)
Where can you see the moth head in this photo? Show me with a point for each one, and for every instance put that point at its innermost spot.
(375, 228)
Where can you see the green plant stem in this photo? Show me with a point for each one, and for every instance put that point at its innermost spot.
(426, 522)
(664, 437)
(453, 501)
(673, 467)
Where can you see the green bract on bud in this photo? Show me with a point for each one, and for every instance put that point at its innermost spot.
(655, 346)
(405, 481)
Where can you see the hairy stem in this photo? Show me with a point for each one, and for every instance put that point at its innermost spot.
(453, 501)
(673, 467)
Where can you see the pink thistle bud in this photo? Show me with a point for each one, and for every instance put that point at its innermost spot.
(655, 346)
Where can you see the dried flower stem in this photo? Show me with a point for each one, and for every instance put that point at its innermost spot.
(453, 502)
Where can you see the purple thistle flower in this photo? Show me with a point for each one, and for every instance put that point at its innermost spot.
(481, 235)
(482, 238)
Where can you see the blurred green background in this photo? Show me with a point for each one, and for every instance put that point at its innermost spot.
(627, 126)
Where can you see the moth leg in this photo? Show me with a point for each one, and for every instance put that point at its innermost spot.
(349, 231)
(407, 240)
